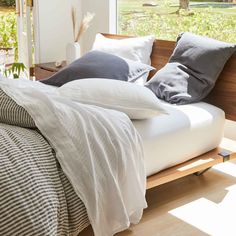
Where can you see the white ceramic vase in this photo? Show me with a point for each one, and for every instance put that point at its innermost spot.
(72, 52)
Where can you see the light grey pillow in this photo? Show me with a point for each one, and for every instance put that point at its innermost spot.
(96, 64)
(192, 70)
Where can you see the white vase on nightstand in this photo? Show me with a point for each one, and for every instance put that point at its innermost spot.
(72, 52)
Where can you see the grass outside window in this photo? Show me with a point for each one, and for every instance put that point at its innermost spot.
(213, 19)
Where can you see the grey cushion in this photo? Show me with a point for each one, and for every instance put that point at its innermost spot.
(192, 70)
(96, 64)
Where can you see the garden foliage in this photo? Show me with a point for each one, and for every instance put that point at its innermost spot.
(8, 3)
(8, 32)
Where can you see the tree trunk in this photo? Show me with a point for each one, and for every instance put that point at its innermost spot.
(184, 4)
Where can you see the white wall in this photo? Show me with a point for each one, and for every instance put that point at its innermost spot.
(53, 28)
(53, 25)
(103, 22)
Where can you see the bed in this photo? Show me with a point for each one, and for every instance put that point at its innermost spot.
(36, 187)
(222, 96)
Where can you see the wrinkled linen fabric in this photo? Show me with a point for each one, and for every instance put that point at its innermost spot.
(99, 150)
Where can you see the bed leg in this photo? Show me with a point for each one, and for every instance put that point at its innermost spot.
(201, 172)
(224, 154)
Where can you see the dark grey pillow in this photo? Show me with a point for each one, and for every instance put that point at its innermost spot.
(192, 70)
(96, 64)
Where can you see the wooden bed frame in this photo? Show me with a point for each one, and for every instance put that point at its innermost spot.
(223, 96)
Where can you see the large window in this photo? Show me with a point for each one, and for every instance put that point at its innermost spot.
(166, 19)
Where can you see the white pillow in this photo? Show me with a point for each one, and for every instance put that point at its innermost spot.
(136, 49)
(136, 101)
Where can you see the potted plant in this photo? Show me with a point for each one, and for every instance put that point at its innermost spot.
(15, 70)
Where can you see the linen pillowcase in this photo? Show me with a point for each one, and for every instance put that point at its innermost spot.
(192, 70)
(171, 83)
(136, 49)
(136, 101)
(99, 65)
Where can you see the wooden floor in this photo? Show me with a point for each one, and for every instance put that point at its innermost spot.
(190, 206)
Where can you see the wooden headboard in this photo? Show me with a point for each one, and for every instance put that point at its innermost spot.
(224, 93)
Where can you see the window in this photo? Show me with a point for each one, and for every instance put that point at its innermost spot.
(165, 19)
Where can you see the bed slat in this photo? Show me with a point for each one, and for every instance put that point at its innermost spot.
(194, 165)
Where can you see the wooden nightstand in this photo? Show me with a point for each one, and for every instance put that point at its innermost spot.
(44, 70)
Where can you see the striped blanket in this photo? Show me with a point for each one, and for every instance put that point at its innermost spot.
(36, 197)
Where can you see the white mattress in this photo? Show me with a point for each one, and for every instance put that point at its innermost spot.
(188, 131)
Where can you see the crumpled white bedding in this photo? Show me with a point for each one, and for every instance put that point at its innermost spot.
(99, 150)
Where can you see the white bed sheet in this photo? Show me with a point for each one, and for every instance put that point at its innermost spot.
(188, 131)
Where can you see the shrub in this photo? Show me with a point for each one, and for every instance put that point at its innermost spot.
(8, 32)
(9, 3)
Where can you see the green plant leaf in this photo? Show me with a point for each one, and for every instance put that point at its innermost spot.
(15, 70)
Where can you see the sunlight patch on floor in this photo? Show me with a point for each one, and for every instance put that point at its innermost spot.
(209, 217)
(227, 168)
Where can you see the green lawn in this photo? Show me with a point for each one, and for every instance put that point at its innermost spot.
(214, 21)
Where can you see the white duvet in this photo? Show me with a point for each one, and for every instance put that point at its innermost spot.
(99, 150)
